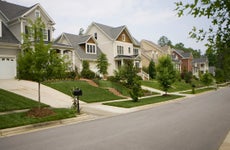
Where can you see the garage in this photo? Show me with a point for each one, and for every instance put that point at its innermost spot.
(7, 67)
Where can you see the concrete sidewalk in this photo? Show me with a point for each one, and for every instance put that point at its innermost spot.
(226, 144)
(29, 89)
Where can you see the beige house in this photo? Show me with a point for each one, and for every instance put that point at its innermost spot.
(117, 43)
(13, 23)
(151, 51)
(200, 66)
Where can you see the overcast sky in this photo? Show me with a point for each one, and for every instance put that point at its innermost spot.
(145, 19)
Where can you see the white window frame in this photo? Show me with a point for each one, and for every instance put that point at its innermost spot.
(0, 28)
(45, 34)
(135, 51)
(91, 49)
(37, 14)
(120, 50)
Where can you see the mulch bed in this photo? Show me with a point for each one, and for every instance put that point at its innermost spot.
(39, 113)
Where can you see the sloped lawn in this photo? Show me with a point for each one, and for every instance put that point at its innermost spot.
(11, 101)
(90, 93)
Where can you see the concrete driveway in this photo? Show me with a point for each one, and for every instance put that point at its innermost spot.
(29, 89)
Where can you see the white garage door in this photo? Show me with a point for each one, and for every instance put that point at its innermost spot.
(7, 67)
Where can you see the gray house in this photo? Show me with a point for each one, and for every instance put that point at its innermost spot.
(13, 23)
(84, 48)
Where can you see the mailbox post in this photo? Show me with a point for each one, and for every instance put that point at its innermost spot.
(76, 93)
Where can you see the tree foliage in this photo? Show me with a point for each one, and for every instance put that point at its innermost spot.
(37, 61)
(102, 64)
(152, 70)
(218, 33)
(164, 41)
(166, 73)
(207, 79)
(86, 72)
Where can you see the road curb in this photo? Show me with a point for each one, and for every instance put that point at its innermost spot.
(44, 125)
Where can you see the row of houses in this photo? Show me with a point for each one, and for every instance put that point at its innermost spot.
(116, 42)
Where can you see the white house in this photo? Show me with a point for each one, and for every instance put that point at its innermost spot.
(117, 43)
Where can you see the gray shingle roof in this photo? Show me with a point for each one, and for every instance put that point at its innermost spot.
(76, 41)
(184, 54)
(200, 60)
(12, 11)
(112, 32)
(7, 36)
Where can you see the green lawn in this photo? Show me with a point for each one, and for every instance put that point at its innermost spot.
(145, 101)
(19, 119)
(120, 88)
(177, 86)
(197, 91)
(90, 93)
(10, 101)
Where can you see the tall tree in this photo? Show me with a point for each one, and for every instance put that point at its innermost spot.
(152, 70)
(37, 62)
(166, 73)
(218, 34)
(164, 41)
(102, 64)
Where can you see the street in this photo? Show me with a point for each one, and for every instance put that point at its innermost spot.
(196, 123)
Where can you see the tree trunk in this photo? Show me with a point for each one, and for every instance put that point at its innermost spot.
(39, 96)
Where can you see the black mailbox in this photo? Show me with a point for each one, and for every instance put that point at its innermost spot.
(77, 92)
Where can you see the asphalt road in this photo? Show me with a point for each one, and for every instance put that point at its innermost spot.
(197, 123)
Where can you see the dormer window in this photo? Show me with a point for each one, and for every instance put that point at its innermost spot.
(91, 48)
(37, 14)
(123, 37)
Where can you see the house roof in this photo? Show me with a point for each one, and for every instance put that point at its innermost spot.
(154, 45)
(183, 54)
(11, 10)
(75, 41)
(200, 60)
(7, 35)
(114, 32)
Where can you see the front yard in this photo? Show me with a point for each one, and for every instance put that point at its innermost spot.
(90, 93)
(12, 102)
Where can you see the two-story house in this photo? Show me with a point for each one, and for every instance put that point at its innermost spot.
(14, 20)
(84, 48)
(150, 51)
(200, 66)
(182, 60)
(117, 43)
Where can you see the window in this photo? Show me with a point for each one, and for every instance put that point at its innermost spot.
(91, 49)
(95, 35)
(135, 51)
(37, 14)
(129, 50)
(123, 37)
(120, 50)
(0, 28)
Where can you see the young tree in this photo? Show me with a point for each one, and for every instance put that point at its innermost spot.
(37, 62)
(136, 90)
(102, 64)
(86, 72)
(207, 79)
(166, 73)
(152, 70)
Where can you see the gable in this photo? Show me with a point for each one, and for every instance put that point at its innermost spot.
(124, 37)
(91, 41)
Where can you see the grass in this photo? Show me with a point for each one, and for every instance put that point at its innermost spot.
(11, 101)
(19, 119)
(197, 91)
(120, 88)
(145, 101)
(90, 93)
(177, 86)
